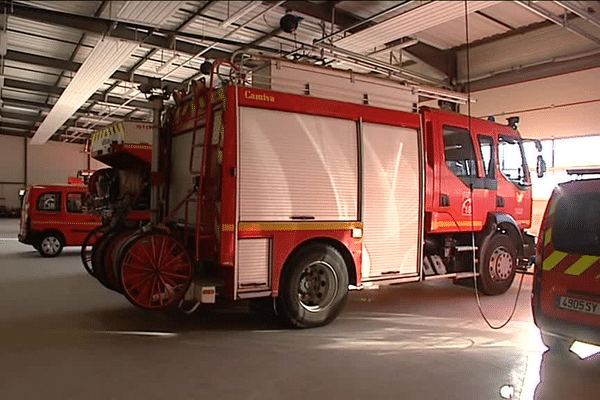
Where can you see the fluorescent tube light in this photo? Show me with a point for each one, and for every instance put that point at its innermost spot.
(409, 23)
(149, 12)
(108, 55)
(240, 13)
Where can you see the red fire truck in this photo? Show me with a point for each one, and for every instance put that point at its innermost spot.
(312, 181)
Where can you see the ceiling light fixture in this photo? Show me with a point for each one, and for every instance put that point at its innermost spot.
(149, 12)
(167, 64)
(240, 13)
(106, 57)
(409, 23)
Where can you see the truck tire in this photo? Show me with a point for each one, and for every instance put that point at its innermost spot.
(498, 267)
(51, 244)
(314, 287)
(98, 256)
(86, 248)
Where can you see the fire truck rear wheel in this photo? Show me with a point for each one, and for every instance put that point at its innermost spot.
(314, 287)
(498, 267)
(51, 244)
(86, 248)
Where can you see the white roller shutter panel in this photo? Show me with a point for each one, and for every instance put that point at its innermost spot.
(391, 199)
(253, 263)
(297, 165)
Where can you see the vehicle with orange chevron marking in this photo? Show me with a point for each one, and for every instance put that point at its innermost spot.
(52, 216)
(566, 289)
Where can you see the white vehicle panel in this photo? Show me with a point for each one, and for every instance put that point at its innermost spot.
(391, 199)
(297, 165)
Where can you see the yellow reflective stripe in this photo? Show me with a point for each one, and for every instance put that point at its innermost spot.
(298, 226)
(553, 206)
(64, 223)
(228, 227)
(452, 224)
(548, 236)
(581, 265)
(553, 259)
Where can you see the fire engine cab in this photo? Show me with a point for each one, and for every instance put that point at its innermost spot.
(295, 183)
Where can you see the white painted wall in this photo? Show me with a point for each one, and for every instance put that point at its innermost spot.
(532, 102)
(52, 162)
(12, 152)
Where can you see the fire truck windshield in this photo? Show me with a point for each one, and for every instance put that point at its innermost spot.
(512, 161)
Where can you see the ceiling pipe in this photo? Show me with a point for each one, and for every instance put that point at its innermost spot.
(557, 20)
(399, 46)
(534, 64)
(359, 59)
(210, 47)
(567, 5)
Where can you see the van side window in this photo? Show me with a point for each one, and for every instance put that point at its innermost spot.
(49, 202)
(74, 202)
(459, 152)
(486, 145)
(577, 224)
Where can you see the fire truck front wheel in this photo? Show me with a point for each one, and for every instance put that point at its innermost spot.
(51, 244)
(314, 286)
(498, 267)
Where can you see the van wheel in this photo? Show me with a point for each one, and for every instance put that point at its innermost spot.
(51, 245)
(314, 287)
(497, 271)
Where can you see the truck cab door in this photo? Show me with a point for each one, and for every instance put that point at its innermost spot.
(514, 183)
(466, 183)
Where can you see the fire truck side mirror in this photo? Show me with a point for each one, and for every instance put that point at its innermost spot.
(540, 168)
(538, 145)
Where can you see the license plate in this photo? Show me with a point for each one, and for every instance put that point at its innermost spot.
(584, 306)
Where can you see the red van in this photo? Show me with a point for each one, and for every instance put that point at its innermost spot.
(566, 288)
(52, 217)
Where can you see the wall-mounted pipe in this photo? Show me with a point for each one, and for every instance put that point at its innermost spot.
(533, 64)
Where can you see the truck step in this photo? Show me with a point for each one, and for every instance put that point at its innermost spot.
(427, 268)
(465, 248)
(438, 265)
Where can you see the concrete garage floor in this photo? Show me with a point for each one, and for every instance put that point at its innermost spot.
(64, 336)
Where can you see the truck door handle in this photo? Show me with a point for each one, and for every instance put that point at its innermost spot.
(444, 200)
(499, 201)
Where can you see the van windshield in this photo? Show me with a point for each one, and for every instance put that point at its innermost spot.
(577, 224)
